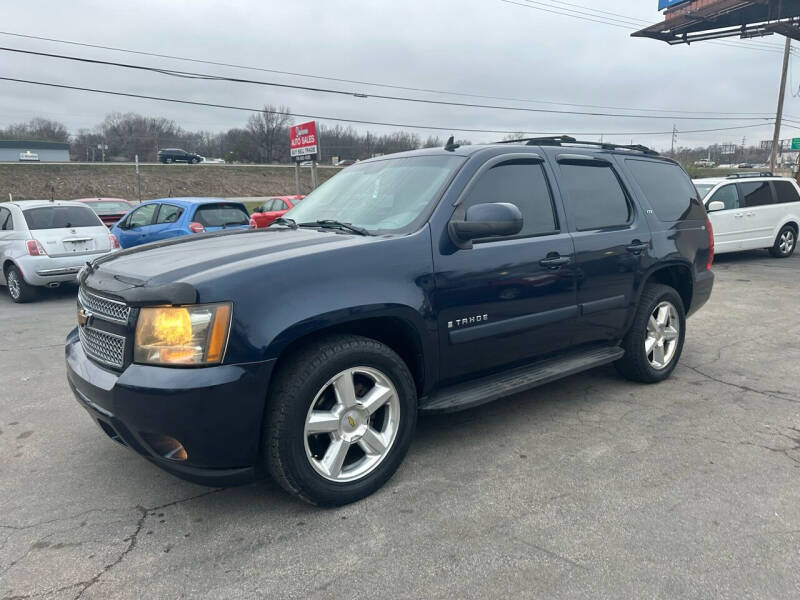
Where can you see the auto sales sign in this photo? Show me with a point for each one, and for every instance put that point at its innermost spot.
(303, 140)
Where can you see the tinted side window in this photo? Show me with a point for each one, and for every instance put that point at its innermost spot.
(594, 197)
(6, 222)
(522, 183)
(728, 195)
(169, 213)
(142, 216)
(667, 188)
(756, 193)
(785, 192)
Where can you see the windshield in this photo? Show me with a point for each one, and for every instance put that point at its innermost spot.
(59, 217)
(109, 206)
(704, 188)
(386, 196)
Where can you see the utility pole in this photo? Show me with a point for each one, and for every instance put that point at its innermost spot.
(779, 114)
(674, 138)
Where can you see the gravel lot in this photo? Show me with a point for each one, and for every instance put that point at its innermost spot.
(591, 487)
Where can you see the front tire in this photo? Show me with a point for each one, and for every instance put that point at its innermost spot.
(785, 243)
(654, 343)
(340, 418)
(18, 289)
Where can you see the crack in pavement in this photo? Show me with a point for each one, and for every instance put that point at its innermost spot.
(774, 394)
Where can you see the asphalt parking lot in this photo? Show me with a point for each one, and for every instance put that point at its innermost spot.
(592, 487)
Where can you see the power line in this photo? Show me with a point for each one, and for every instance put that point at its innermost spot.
(206, 76)
(356, 121)
(367, 83)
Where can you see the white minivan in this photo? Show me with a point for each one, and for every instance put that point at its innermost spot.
(752, 210)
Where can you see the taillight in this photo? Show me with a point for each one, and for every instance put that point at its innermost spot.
(113, 241)
(253, 223)
(710, 231)
(35, 248)
(195, 227)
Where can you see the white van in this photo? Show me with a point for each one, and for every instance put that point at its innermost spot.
(752, 210)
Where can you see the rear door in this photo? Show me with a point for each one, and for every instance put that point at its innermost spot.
(758, 216)
(167, 223)
(65, 230)
(612, 242)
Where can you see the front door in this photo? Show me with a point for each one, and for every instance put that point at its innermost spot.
(611, 238)
(506, 300)
(136, 226)
(729, 223)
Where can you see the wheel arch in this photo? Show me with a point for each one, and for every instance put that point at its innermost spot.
(677, 275)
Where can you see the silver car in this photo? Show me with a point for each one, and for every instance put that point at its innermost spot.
(45, 243)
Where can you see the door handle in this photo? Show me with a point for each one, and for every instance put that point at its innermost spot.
(555, 262)
(636, 246)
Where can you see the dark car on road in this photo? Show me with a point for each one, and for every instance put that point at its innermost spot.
(173, 155)
(434, 280)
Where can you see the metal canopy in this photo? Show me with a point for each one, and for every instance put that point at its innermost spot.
(699, 20)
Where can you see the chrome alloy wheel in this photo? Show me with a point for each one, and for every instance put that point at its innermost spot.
(14, 287)
(786, 241)
(663, 333)
(352, 424)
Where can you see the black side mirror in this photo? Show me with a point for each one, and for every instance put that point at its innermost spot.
(495, 219)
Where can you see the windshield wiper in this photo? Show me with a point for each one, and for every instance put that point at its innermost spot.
(336, 225)
(290, 223)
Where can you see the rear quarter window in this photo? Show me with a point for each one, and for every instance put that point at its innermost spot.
(785, 192)
(60, 217)
(668, 189)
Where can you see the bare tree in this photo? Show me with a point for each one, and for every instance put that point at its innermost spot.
(270, 132)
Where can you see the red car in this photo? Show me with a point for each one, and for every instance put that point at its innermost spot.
(110, 210)
(274, 207)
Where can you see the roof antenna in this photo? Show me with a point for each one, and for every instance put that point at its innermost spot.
(451, 144)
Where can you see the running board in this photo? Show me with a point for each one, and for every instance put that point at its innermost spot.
(483, 390)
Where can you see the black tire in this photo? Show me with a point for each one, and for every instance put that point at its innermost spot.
(168, 160)
(785, 243)
(194, 161)
(295, 386)
(18, 289)
(635, 365)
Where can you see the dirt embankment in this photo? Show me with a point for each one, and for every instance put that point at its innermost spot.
(66, 181)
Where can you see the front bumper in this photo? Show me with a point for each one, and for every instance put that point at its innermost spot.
(41, 270)
(216, 413)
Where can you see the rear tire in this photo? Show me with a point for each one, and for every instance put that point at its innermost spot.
(785, 243)
(168, 161)
(331, 442)
(18, 289)
(654, 343)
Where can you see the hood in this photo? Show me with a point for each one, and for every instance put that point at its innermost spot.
(187, 259)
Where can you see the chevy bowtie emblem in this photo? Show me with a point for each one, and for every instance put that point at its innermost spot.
(351, 421)
(83, 316)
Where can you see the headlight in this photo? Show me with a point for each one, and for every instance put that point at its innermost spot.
(182, 335)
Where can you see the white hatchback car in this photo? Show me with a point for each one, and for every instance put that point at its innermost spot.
(46, 243)
(750, 211)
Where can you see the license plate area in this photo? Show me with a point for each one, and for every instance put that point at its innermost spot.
(78, 245)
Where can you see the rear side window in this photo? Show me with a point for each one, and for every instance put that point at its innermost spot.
(221, 215)
(785, 192)
(756, 193)
(59, 217)
(522, 183)
(168, 213)
(667, 188)
(594, 197)
(6, 221)
(728, 195)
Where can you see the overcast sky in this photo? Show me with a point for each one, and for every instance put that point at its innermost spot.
(485, 47)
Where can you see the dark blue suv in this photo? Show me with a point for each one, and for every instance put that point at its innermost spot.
(432, 280)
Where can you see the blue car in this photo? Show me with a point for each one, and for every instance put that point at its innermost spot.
(166, 218)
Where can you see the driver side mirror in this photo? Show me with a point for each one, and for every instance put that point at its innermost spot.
(715, 205)
(494, 219)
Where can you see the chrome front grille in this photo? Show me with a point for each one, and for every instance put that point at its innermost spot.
(104, 347)
(105, 308)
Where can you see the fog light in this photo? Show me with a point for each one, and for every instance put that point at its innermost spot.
(166, 446)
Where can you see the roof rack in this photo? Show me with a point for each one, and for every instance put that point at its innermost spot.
(743, 175)
(559, 140)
